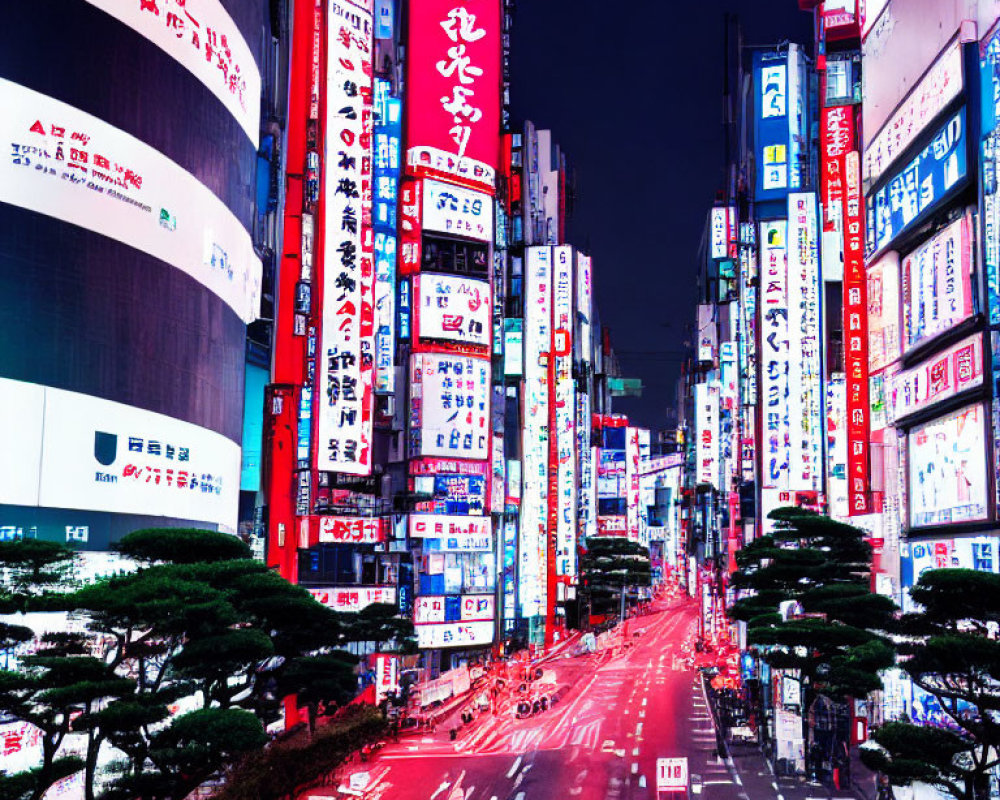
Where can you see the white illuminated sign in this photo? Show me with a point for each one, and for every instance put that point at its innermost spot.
(453, 309)
(354, 598)
(774, 353)
(455, 634)
(470, 607)
(441, 526)
(941, 84)
(67, 164)
(532, 549)
(565, 399)
(201, 37)
(344, 399)
(352, 530)
(72, 450)
(457, 211)
(449, 398)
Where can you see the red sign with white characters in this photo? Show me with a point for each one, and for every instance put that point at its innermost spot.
(352, 530)
(453, 54)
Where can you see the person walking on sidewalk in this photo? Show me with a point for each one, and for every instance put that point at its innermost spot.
(884, 791)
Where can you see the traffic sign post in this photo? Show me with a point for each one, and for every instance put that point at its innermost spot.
(671, 775)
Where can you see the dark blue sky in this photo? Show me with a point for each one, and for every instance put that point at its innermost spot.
(632, 90)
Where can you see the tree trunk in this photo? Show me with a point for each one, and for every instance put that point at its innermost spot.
(93, 750)
(49, 748)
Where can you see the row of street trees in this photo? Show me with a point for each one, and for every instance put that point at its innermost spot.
(198, 626)
(842, 637)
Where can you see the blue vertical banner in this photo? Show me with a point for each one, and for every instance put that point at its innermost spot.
(386, 150)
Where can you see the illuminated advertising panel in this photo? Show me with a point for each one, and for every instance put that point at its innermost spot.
(386, 153)
(610, 473)
(72, 166)
(498, 468)
(584, 307)
(586, 461)
(989, 66)
(706, 409)
(883, 311)
(915, 189)
(723, 232)
(632, 484)
(856, 338)
(836, 447)
(612, 525)
(347, 358)
(774, 354)
(941, 84)
(72, 450)
(201, 37)
(353, 598)
(837, 131)
(937, 284)
(458, 494)
(410, 193)
(947, 466)
(351, 530)
(453, 80)
(508, 584)
(565, 400)
(452, 309)
(533, 554)
(778, 120)
(805, 381)
(463, 608)
(455, 634)
(443, 526)
(386, 676)
(513, 347)
(942, 376)
(449, 406)
(457, 211)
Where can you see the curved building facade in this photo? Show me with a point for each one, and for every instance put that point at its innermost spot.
(128, 267)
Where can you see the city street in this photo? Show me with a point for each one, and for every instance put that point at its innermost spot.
(624, 709)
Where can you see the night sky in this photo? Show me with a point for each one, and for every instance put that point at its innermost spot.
(632, 92)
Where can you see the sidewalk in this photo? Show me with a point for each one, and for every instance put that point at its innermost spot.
(754, 773)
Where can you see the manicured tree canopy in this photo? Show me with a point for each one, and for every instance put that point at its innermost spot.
(182, 546)
(839, 644)
(609, 565)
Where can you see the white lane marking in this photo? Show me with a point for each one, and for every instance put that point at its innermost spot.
(444, 785)
(520, 796)
(644, 700)
(513, 769)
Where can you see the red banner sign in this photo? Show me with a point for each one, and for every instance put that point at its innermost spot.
(453, 55)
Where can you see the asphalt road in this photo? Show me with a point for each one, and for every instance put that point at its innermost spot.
(622, 709)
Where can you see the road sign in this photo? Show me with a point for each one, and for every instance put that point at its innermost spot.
(671, 774)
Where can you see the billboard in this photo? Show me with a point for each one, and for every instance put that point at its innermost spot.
(565, 402)
(779, 121)
(347, 358)
(937, 284)
(632, 484)
(453, 309)
(454, 634)
(942, 376)
(615, 525)
(457, 211)
(449, 406)
(836, 447)
(69, 165)
(201, 37)
(452, 608)
(351, 530)
(774, 355)
(856, 338)
(941, 84)
(386, 153)
(884, 345)
(947, 467)
(513, 347)
(805, 381)
(353, 598)
(914, 189)
(532, 549)
(76, 451)
(723, 232)
(837, 131)
(453, 83)
(443, 526)
(706, 410)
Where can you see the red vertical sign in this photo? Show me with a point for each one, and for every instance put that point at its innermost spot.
(856, 338)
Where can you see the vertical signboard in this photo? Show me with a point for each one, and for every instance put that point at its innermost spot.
(582, 345)
(774, 356)
(883, 311)
(532, 565)
(778, 122)
(632, 483)
(706, 409)
(565, 411)
(855, 338)
(386, 152)
(346, 360)
(805, 382)
(453, 83)
(837, 131)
